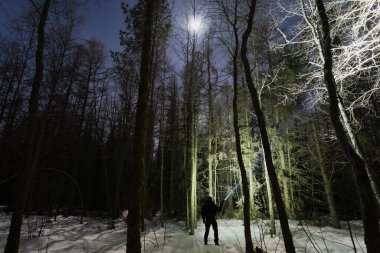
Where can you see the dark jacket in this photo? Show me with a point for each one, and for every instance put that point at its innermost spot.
(209, 210)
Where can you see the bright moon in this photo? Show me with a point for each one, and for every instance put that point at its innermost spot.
(195, 24)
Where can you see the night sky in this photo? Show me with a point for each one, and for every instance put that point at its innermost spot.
(102, 19)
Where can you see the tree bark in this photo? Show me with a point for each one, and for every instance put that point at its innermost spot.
(270, 202)
(326, 180)
(140, 133)
(32, 132)
(367, 199)
(162, 145)
(243, 171)
(264, 135)
(192, 138)
(285, 179)
(210, 120)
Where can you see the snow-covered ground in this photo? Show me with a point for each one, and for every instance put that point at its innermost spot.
(67, 235)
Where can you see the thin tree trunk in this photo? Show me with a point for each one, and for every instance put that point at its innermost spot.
(210, 119)
(162, 144)
(187, 190)
(243, 171)
(191, 142)
(326, 180)
(162, 182)
(284, 178)
(367, 199)
(251, 193)
(32, 132)
(173, 145)
(264, 135)
(270, 202)
(140, 133)
(291, 188)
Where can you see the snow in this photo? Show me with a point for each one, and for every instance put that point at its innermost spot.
(67, 235)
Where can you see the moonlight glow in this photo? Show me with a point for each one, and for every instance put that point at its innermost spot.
(195, 24)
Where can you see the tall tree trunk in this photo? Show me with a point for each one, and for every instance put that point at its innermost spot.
(243, 171)
(291, 188)
(162, 183)
(285, 178)
(187, 190)
(264, 135)
(173, 143)
(270, 202)
(192, 139)
(367, 199)
(162, 145)
(326, 180)
(32, 132)
(140, 133)
(210, 119)
(251, 190)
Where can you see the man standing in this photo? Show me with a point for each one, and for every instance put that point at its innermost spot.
(209, 210)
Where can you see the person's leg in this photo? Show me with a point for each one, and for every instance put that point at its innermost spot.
(207, 225)
(215, 228)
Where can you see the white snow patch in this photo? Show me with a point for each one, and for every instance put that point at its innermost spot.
(67, 235)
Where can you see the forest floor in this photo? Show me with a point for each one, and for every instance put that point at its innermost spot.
(67, 235)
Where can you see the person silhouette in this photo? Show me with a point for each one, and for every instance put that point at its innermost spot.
(209, 211)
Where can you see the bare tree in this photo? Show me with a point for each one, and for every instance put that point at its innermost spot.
(230, 12)
(31, 151)
(354, 50)
(367, 198)
(264, 135)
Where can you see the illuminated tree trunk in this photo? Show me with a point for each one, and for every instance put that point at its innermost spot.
(285, 179)
(173, 143)
(326, 180)
(215, 177)
(270, 202)
(194, 180)
(140, 133)
(230, 210)
(291, 188)
(367, 199)
(210, 157)
(264, 135)
(251, 192)
(343, 115)
(191, 136)
(359, 151)
(32, 133)
(187, 189)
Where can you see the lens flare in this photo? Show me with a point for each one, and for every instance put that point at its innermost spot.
(195, 24)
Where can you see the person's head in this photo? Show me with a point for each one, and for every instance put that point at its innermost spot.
(209, 199)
